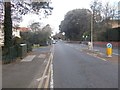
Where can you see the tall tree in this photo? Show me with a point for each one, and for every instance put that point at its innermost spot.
(75, 23)
(35, 26)
(7, 25)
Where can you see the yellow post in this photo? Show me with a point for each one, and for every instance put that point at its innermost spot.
(109, 50)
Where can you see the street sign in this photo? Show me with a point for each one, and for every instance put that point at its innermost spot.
(109, 45)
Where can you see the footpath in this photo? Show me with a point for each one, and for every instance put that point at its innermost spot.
(27, 72)
(101, 55)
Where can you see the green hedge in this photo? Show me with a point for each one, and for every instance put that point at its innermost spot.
(109, 35)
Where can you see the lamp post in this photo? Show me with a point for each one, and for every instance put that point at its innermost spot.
(91, 31)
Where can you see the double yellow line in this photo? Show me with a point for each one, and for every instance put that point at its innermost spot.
(44, 83)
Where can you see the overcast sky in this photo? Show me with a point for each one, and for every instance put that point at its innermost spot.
(61, 7)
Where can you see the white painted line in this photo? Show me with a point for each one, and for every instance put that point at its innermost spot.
(100, 58)
(101, 53)
(44, 73)
(45, 61)
(39, 79)
(48, 79)
(28, 58)
(94, 55)
(42, 56)
(51, 81)
(115, 54)
(52, 77)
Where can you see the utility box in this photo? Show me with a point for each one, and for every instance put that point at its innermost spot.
(22, 50)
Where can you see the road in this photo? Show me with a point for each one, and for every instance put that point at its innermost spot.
(73, 68)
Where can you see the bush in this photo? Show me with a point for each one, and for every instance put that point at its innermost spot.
(109, 35)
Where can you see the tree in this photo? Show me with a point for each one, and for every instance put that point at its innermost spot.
(102, 15)
(58, 36)
(41, 36)
(75, 23)
(7, 25)
(22, 9)
(35, 26)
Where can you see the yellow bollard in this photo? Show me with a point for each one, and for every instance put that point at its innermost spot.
(109, 50)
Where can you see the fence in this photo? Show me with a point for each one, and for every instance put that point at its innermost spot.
(10, 56)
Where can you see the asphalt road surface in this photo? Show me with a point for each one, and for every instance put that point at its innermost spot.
(73, 68)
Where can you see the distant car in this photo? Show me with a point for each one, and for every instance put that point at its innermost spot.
(54, 42)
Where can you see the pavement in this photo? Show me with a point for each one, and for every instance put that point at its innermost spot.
(27, 72)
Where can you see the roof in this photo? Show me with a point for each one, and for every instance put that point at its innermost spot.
(23, 29)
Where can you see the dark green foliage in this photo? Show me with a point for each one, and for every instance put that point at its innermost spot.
(75, 23)
(113, 34)
(39, 37)
(109, 35)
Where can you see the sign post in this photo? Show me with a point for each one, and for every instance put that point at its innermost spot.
(109, 50)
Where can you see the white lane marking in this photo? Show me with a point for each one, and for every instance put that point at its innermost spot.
(39, 79)
(42, 56)
(44, 73)
(51, 81)
(45, 61)
(97, 56)
(100, 58)
(115, 54)
(28, 58)
(101, 53)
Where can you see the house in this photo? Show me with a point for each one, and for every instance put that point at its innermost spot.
(23, 29)
(15, 33)
(1, 35)
(114, 23)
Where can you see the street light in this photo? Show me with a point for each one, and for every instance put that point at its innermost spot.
(91, 31)
(83, 36)
(86, 38)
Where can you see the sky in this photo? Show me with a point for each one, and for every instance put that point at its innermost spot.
(61, 7)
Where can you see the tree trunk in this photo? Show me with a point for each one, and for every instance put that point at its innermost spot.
(7, 25)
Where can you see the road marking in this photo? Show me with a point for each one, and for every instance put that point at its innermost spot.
(45, 61)
(48, 78)
(28, 58)
(97, 56)
(44, 73)
(42, 56)
(100, 58)
(39, 79)
(115, 54)
(51, 81)
(101, 53)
